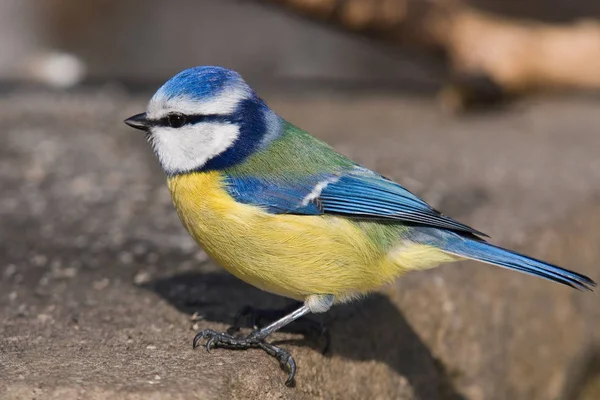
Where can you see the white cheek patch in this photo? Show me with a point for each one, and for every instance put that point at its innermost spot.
(225, 103)
(191, 146)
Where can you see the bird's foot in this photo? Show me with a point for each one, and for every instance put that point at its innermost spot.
(252, 341)
(258, 318)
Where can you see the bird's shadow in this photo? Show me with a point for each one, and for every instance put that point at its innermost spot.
(371, 329)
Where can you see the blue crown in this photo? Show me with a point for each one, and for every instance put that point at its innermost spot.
(201, 83)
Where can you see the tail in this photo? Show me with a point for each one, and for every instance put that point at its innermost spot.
(479, 250)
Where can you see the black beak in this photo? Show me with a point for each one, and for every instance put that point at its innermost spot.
(138, 121)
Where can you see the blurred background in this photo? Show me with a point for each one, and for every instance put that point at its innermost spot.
(478, 49)
(486, 108)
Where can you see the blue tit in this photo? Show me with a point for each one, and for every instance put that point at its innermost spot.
(281, 210)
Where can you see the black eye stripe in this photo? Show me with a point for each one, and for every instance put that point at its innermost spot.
(178, 120)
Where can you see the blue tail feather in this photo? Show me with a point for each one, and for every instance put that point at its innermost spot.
(488, 253)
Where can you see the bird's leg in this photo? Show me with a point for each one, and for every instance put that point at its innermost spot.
(316, 303)
(256, 340)
(257, 318)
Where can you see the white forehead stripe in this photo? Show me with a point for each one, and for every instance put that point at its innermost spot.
(223, 103)
(190, 147)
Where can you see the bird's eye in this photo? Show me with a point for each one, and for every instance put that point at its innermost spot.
(176, 120)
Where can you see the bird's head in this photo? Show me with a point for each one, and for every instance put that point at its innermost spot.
(206, 118)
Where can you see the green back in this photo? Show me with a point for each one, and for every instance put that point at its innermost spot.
(296, 152)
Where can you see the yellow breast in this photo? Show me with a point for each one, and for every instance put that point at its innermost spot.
(290, 255)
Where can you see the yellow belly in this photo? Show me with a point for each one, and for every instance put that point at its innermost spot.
(290, 255)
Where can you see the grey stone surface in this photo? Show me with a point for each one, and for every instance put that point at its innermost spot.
(98, 279)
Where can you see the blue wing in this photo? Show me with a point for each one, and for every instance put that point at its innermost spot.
(276, 196)
(355, 193)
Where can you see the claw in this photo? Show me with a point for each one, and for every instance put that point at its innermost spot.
(197, 338)
(292, 368)
(285, 360)
(210, 343)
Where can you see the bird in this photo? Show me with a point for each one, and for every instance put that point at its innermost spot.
(283, 211)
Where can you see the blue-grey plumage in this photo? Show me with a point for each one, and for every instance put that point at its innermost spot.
(283, 211)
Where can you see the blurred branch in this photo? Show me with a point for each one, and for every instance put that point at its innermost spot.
(516, 55)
